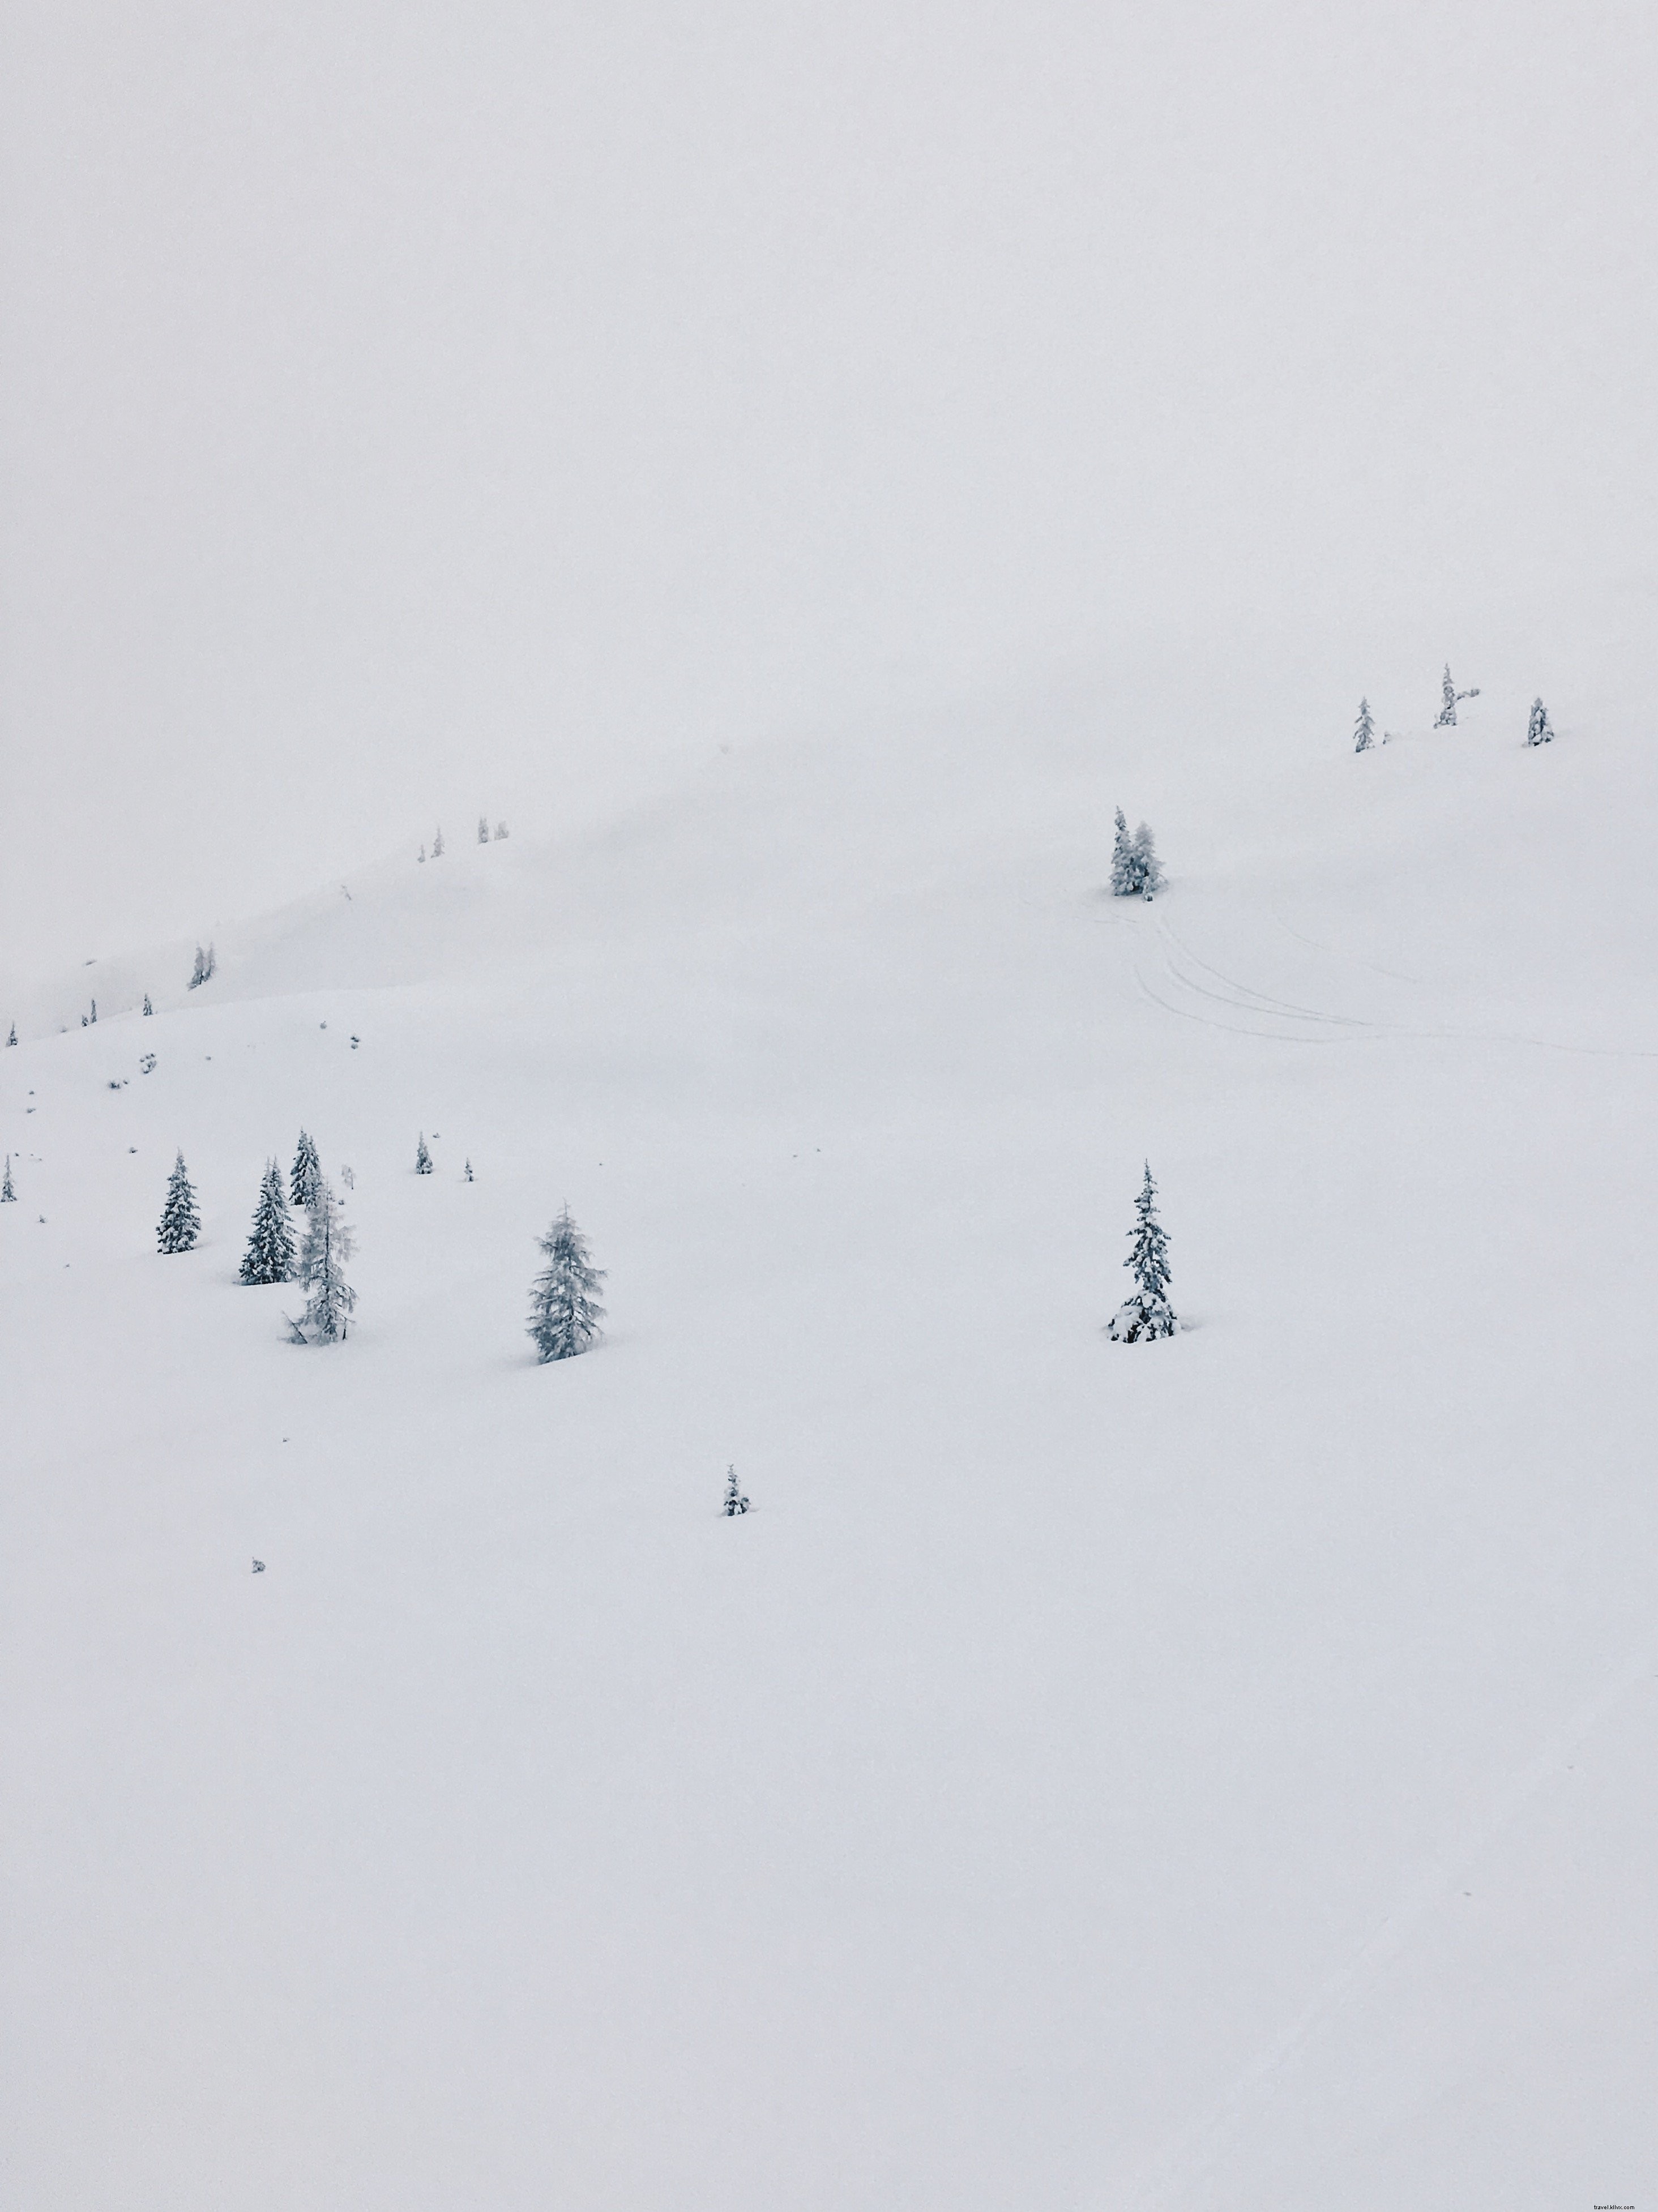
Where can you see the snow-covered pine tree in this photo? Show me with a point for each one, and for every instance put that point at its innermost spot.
(500, 831)
(269, 1254)
(1125, 862)
(180, 1223)
(149, 1009)
(1539, 732)
(7, 1196)
(1446, 718)
(11, 1035)
(1148, 1313)
(1363, 729)
(329, 1243)
(1145, 862)
(564, 1310)
(421, 855)
(423, 1157)
(306, 1172)
(437, 846)
(467, 1177)
(735, 1501)
(205, 964)
(484, 830)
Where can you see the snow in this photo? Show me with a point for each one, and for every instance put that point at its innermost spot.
(1218, 1773)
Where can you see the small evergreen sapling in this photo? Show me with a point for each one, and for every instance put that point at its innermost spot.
(7, 1196)
(306, 1173)
(11, 1035)
(735, 1501)
(423, 1157)
(467, 1176)
(269, 1254)
(1363, 729)
(1148, 1315)
(1539, 732)
(564, 1308)
(329, 1243)
(180, 1223)
(1449, 695)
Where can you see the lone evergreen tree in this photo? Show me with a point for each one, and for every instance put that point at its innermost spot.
(421, 855)
(500, 831)
(149, 1009)
(1364, 728)
(269, 1254)
(7, 1196)
(329, 1243)
(1148, 1313)
(205, 964)
(11, 1035)
(467, 1177)
(306, 1172)
(180, 1223)
(423, 1157)
(1125, 864)
(1449, 695)
(484, 830)
(1145, 862)
(564, 1310)
(1539, 732)
(735, 1501)
(93, 1016)
(437, 846)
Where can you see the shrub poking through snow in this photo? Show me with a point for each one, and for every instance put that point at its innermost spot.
(1538, 732)
(1363, 729)
(269, 1254)
(306, 1172)
(735, 1501)
(564, 1308)
(180, 1223)
(329, 1243)
(1148, 1313)
(423, 1157)
(7, 1196)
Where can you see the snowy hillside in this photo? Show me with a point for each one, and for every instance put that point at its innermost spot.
(1216, 1775)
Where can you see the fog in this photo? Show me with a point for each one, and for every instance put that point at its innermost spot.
(414, 410)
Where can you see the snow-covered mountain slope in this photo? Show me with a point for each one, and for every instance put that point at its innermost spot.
(1212, 1774)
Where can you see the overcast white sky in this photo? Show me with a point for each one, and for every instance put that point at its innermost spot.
(412, 408)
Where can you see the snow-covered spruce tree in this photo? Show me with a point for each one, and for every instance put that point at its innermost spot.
(437, 846)
(423, 1157)
(467, 1177)
(484, 830)
(500, 831)
(205, 964)
(421, 855)
(149, 1009)
(306, 1172)
(1363, 729)
(735, 1501)
(1148, 1313)
(11, 1035)
(7, 1196)
(1145, 862)
(329, 1243)
(1446, 718)
(564, 1308)
(1539, 732)
(269, 1254)
(180, 1223)
(1125, 862)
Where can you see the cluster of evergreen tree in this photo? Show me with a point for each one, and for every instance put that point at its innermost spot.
(206, 966)
(1135, 873)
(1538, 732)
(1147, 1314)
